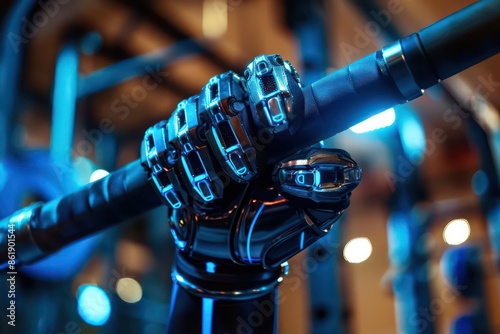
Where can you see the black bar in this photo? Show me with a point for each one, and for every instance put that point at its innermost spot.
(366, 87)
(463, 39)
(45, 228)
(121, 195)
(339, 101)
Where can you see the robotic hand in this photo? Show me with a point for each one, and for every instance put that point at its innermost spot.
(236, 219)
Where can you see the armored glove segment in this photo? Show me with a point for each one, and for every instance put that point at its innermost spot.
(208, 163)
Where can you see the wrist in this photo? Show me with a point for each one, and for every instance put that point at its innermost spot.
(223, 279)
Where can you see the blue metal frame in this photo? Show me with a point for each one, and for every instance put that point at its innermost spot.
(10, 67)
(134, 67)
(64, 105)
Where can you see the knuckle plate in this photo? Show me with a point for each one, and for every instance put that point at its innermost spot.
(270, 92)
(154, 157)
(194, 161)
(224, 100)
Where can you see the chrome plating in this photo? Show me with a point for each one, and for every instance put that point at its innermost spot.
(230, 295)
(269, 91)
(400, 72)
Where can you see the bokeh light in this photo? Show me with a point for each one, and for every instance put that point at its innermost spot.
(456, 232)
(129, 290)
(94, 306)
(358, 250)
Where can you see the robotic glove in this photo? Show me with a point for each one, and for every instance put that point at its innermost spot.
(210, 165)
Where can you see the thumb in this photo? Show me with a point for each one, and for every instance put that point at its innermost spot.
(318, 177)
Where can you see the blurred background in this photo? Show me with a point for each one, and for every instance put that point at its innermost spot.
(80, 82)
